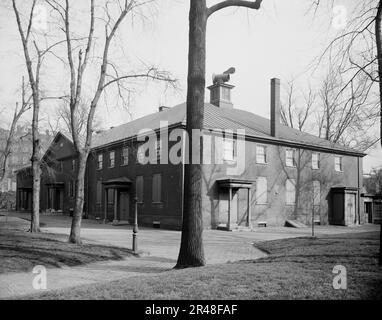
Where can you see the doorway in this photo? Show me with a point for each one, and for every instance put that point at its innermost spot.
(124, 205)
(224, 208)
(55, 199)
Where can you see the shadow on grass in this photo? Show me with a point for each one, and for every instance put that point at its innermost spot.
(21, 251)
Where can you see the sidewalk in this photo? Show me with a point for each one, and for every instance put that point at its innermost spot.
(18, 284)
(161, 248)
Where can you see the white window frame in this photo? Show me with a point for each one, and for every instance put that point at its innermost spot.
(141, 152)
(124, 157)
(158, 147)
(315, 163)
(288, 158)
(100, 161)
(264, 154)
(340, 163)
(229, 155)
(111, 159)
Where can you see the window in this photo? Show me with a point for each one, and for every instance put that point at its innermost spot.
(290, 192)
(261, 190)
(315, 161)
(158, 147)
(139, 188)
(100, 161)
(338, 163)
(71, 189)
(99, 192)
(290, 157)
(61, 166)
(141, 154)
(111, 159)
(73, 165)
(157, 187)
(316, 192)
(125, 156)
(261, 154)
(229, 150)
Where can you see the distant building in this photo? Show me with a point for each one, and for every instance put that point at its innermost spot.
(21, 153)
(280, 165)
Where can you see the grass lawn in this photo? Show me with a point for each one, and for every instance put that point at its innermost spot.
(20, 251)
(295, 269)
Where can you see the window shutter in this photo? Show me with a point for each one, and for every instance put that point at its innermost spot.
(290, 191)
(261, 190)
(157, 188)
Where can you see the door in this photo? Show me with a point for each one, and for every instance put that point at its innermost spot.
(57, 200)
(224, 203)
(50, 198)
(124, 203)
(350, 214)
(368, 211)
(337, 209)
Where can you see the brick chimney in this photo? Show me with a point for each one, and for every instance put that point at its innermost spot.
(220, 95)
(275, 107)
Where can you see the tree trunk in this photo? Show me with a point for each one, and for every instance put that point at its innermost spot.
(75, 231)
(297, 187)
(378, 39)
(36, 169)
(191, 252)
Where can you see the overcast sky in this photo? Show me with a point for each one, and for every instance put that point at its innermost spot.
(280, 40)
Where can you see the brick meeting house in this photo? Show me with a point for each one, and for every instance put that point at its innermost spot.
(286, 174)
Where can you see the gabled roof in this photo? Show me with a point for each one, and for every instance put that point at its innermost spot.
(175, 115)
(255, 126)
(57, 136)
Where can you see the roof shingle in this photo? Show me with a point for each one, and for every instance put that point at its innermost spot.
(217, 118)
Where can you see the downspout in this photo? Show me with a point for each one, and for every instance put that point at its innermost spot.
(359, 191)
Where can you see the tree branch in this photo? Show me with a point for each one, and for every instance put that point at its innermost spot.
(234, 3)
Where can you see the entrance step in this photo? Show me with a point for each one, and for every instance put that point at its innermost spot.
(294, 224)
(234, 227)
(120, 223)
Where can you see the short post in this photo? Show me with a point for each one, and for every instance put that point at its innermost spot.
(105, 209)
(380, 240)
(135, 228)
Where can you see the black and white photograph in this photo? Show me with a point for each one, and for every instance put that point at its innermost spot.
(190, 155)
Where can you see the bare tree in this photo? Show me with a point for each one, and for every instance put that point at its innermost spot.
(356, 52)
(77, 68)
(10, 139)
(34, 82)
(191, 252)
(373, 183)
(344, 113)
(293, 113)
(63, 119)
